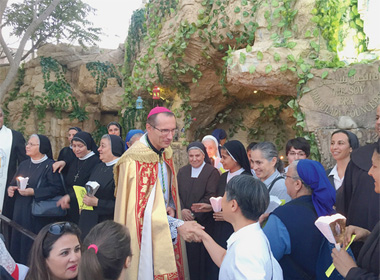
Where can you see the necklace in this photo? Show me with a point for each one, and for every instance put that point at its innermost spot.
(78, 170)
(163, 179)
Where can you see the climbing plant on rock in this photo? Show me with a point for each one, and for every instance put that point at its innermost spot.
(214, 27)
(102, 71)
(57, 96)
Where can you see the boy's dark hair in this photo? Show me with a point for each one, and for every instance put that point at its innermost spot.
(251, 195)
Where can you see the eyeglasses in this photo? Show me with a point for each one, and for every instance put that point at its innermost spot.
(293, 177)
(59, 228)
(300, 154)
(31, 144)
(165, 132)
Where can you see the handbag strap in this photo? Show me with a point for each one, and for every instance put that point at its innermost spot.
(63, 183)
(39, 179)
(60, 175)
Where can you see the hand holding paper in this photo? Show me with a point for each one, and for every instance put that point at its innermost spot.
(274, 202)
(22, 182)
(216, 203)
(80, 192)
(92, 187)
(333, 228)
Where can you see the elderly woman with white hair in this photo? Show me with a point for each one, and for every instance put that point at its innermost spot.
(212, 148)
(42, 184)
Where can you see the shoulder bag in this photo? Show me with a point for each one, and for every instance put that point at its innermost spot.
(48, 207)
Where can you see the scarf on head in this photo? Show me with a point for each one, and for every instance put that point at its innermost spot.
(116, 124)
(117, 145)
(210, 137)
(219, 134)
(130, 134)
(237, 151)
(45, 146)
(314, 175)
(199, 146)
(86, 139)
(75, 128)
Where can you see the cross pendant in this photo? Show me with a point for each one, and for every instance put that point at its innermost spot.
(76, 177)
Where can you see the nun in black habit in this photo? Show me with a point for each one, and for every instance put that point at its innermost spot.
(37, 167)
(197, 183)
(235, 160)
(66, 155)
(114, 128)
(103, 202)
(80, 169)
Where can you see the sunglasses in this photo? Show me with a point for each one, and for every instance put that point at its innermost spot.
(59, 228)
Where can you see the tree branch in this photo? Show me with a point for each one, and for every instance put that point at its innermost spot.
(28, 33)
(3, 5)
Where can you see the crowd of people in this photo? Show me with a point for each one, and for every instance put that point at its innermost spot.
(121, 211)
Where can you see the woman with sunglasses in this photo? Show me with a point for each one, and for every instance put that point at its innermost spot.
(56, 253)
(41, 185)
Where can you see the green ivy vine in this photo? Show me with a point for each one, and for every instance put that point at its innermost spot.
(331, 20)
(102, 71)
(13, 94)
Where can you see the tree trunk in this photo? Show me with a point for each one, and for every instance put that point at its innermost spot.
(15, 62)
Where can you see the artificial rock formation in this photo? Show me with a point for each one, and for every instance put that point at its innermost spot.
(101, 107)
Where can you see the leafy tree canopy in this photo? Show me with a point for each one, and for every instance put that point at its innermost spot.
(68, 22)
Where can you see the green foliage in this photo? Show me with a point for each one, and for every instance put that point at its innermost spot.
(68, 22)
(333, 18)
(131, 117)
(299, 128)
(99, 131)
(13, 94)
(270, 115)
(136, 31)
(58, 90)
(210, 26)
(78, 112)
(102, 71)
(57, 96)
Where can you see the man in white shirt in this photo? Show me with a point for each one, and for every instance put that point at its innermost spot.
(248, 254)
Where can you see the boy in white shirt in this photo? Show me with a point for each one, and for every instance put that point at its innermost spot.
(248, 254)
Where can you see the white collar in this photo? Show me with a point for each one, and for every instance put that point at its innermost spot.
(196, 171)
(243, 231)
(230, 174)
(90, 154)
(39, 160)
(112, 162)
(334, 171)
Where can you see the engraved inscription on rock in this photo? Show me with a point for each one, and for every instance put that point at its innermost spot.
(355, 96)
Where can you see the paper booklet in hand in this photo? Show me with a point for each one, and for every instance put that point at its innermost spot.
(92, 187)
(22, 182)
(216, 203)
(274, 202)
(333, 228)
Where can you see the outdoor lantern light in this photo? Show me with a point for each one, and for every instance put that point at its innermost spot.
(139, 103)
(156, 92)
